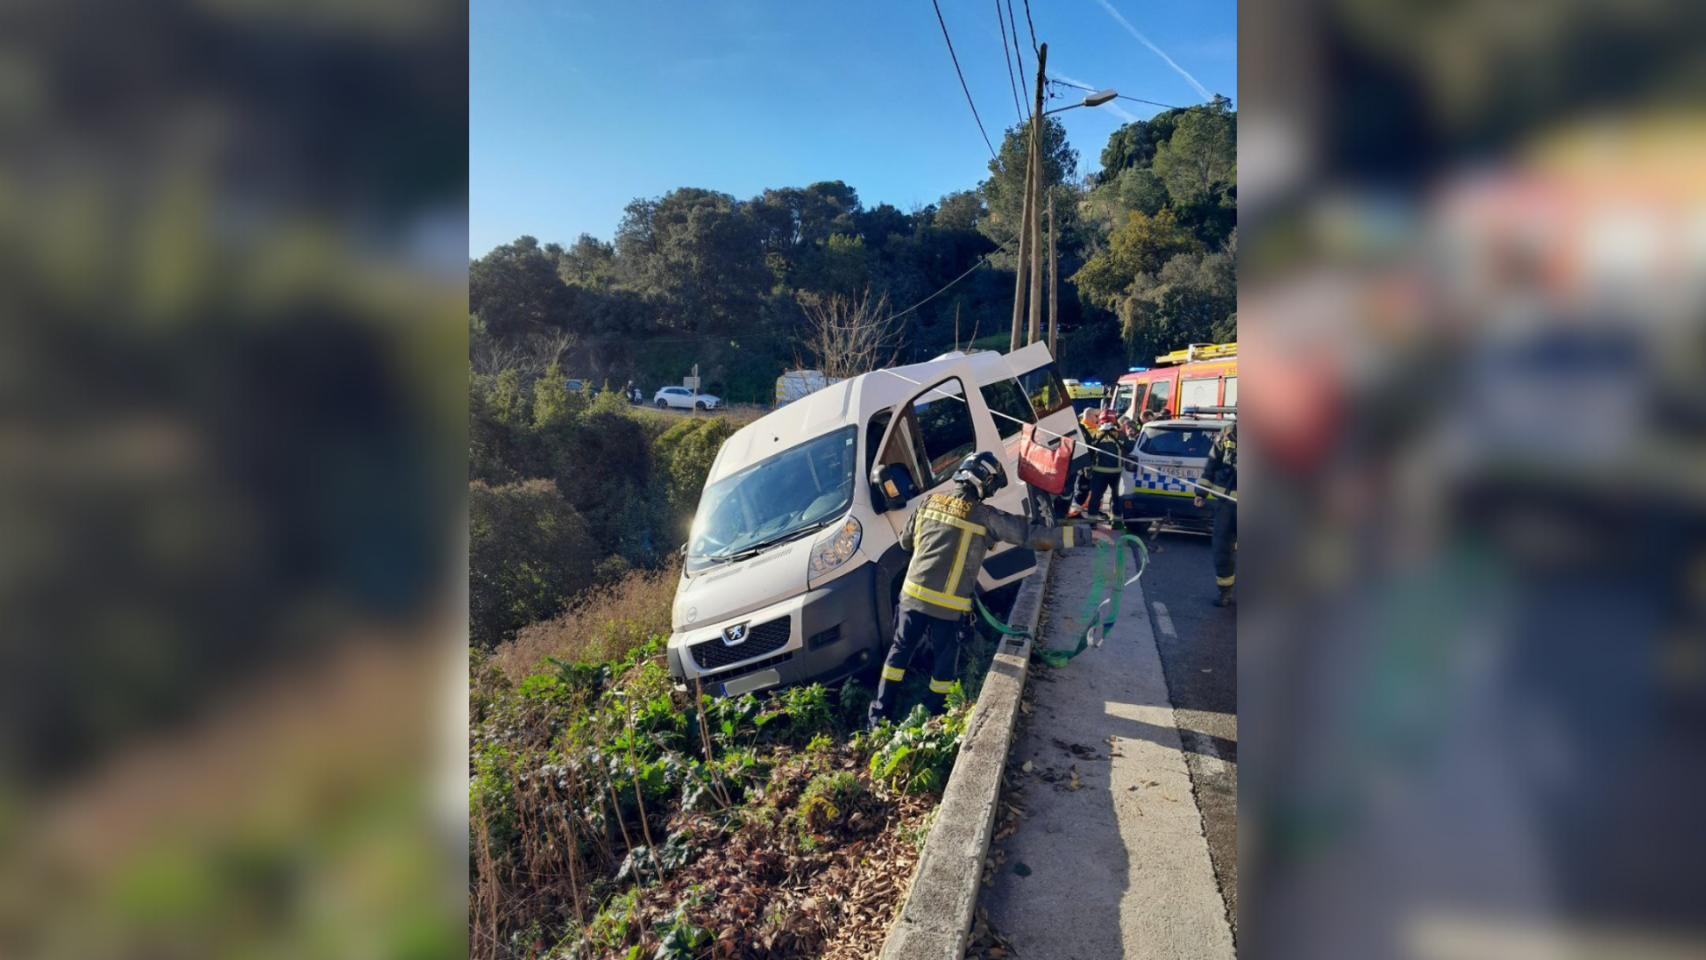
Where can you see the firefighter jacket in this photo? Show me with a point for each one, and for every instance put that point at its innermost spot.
(1221, 472)
(1106, 451)
(948, 537)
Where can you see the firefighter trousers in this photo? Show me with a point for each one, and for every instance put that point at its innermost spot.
(1225, 542)
(913, 629)
(1101, 483)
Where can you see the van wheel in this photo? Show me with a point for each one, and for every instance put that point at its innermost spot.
(663, 404)
(699, 405)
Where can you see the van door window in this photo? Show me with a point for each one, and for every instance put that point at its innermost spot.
(1231, 392)
(1199, 393)
(1046, 391)
(874, 437)
(1159, 391)
(904, 451)
(1007, 404)
(1122, 398)
(945, 430)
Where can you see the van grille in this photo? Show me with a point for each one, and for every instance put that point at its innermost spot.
(761, 639)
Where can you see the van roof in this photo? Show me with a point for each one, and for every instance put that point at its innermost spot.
(852, 401)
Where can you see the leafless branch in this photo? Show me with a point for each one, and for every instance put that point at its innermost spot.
(850, 335)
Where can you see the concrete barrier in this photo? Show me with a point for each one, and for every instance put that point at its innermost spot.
(936, 918)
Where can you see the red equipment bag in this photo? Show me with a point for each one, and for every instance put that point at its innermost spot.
(1041, 465)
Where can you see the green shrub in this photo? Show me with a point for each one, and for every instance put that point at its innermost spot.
(917, 754)
(528, 551)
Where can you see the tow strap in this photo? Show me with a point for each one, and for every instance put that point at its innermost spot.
(1106, 588)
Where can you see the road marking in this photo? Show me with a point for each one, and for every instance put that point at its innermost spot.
(1162, 617)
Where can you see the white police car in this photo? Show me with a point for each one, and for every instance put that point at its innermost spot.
(1170, 452)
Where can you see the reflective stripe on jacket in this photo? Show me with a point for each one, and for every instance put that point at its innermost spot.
(948, 537)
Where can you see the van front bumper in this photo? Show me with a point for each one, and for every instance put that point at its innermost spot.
(831, 634)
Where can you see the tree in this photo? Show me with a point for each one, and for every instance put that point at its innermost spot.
(1201, 157)
(961, 210)
(1190, 300)
(1004, 192)
(515, 290)
(850, 335)
(588, 263)
(697, 256)
(1142, 246)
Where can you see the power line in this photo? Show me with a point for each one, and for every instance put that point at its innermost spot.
(1007, 58)
(1033, 28)
(1150, 102)
(962, 77)
(1080, 86)
(1017, 55)
(980, 262)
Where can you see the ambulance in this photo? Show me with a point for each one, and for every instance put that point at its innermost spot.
(1201, 375)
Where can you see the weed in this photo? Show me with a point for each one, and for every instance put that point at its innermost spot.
(916, 755)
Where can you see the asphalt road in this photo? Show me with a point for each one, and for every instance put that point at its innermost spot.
(1198, 643)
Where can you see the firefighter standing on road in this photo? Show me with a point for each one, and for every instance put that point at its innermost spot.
(947, 538)
(1221, 475)
(1107, 447)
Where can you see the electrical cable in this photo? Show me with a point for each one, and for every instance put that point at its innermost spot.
(1007, 58)
(980, 262)
(962, 76)
(1017, 55)
(1033, 28)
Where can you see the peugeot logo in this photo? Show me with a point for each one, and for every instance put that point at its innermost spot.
(734, 635)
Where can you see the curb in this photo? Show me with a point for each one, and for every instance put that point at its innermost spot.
(936, 918)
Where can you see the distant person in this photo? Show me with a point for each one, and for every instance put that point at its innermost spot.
(1221, 475)
(947, 538)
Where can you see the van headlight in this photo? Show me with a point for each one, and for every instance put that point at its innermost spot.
(834, 550)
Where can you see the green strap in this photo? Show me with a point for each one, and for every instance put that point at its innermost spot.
(1102, 588)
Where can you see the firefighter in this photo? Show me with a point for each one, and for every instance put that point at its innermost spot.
(947, 538)
(1221, 476)
(1107, 448)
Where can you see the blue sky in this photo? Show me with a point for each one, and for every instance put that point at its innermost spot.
(577, 107)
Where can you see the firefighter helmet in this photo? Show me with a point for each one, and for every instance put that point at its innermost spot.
(983, 473)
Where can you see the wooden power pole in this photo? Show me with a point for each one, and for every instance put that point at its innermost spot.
(1036, 199)
(1053, 286)
(1019, 264)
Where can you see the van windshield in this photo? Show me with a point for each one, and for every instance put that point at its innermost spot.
(778, 498)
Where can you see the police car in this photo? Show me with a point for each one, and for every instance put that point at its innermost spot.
(1170, 452)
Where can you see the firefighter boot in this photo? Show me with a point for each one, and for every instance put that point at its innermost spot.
(1225, 598)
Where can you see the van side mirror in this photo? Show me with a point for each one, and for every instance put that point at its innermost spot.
(891, 487)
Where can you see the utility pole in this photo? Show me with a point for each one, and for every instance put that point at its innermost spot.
(1019, 264)
(1036, 198)
(1053, 285)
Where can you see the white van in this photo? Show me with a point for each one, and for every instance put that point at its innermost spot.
(793, 567)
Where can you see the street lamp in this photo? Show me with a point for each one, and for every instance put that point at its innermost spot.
(1093, 100)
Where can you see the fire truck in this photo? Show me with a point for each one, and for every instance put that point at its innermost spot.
(1201, 375)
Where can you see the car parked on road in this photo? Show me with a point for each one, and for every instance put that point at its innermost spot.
(1170, 452)
(685, 399)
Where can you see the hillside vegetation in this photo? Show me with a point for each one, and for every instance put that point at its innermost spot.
(1147, 251)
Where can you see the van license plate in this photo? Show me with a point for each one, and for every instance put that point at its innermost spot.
(1184, 473)
(751, 682)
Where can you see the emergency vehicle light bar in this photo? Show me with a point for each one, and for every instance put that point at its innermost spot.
(1199, 351)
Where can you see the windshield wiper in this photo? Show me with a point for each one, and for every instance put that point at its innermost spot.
(745, 552)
